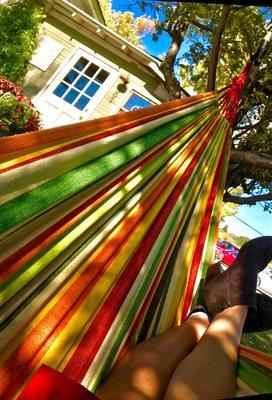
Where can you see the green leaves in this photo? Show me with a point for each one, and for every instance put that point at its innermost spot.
(126, 24)
(17, 114)
(19, 30)
(244, 31)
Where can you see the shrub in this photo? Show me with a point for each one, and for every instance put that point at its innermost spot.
(17, 113)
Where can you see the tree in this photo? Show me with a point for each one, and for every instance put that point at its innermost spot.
(228, 210)
(240, 240)
(230, 237)
(126, 24)
(222, 39)
(19, 30)
(17, 113)
(251, 157)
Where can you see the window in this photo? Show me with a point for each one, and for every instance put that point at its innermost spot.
(81, 83)
(47, 51)
(134, 103)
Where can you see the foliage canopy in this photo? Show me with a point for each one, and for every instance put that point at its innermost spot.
(19, 32)
(126, 24)
(220, 40)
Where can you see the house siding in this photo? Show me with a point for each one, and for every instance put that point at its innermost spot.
(37, 81)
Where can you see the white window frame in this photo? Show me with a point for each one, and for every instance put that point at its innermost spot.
(138, 94)
(135, 90)
(56, 101)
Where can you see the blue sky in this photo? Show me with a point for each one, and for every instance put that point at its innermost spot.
(250, 215)
(259, 220)
(153, 48)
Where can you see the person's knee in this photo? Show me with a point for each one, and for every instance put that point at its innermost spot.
(145, 354)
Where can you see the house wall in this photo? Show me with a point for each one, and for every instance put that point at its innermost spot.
(37, 83)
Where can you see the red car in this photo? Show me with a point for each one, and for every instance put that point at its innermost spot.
(226, 252)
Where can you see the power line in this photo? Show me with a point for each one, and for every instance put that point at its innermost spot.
(251, 227)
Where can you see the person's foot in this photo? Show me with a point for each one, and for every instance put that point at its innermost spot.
(237, 285)
(262, 320)
(257, 322)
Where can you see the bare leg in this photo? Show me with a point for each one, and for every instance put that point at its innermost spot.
(144, 372)
(209, 371)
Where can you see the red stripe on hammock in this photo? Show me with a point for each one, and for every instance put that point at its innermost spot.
(38, 139)
(202, 237)
(95, 137)
(22, 361)
(15, 261)
(146, 303)
(82, 357)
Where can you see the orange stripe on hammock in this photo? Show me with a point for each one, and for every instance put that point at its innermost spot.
(258, 357)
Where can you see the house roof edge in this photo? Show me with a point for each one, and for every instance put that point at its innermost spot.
(101, 30)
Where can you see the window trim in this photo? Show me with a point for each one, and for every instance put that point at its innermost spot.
(63, 70)
(131, 90)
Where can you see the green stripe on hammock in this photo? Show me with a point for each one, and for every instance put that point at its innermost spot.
(256, 377)
(17, 281)
(54, 282)
(56, 190)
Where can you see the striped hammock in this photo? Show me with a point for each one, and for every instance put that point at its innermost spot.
(107, 229)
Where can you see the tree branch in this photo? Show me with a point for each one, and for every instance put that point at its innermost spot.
(248, 43)
(246, 128)
(251, 158)
(236, 8)
(249, 127)
(213, 61)
(247, 200)
(202, 26)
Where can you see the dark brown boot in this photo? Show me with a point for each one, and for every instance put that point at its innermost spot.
(212, 272)
(262, 319)
(237, 285)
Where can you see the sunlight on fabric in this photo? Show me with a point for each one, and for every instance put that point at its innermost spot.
(107, 228)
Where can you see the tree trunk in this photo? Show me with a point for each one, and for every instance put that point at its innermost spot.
(171, 82)
(213, 61)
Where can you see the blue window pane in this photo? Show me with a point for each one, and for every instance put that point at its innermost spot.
(70, 97)
(60, 89)
(71, 76)
(81, 83)
(135, 102)
(81, 64)
(92, 89)
(102, 76)
(82, 102)
(91, 70)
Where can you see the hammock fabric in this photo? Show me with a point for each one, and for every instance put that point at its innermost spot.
(107, 228)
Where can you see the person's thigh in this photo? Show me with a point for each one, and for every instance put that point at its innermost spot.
(144, 372)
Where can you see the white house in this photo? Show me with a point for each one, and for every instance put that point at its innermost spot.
(83, 70)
